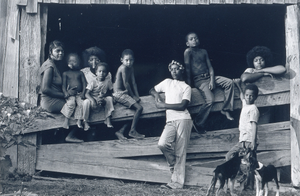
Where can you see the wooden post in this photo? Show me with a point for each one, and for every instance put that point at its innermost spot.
(3, 19)
(293, 66)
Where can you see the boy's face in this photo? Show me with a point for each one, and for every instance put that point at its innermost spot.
(93, 61)
(101, 72)
(176, 72)
(57, 53)
(259, 62)
(192, 40)
(73, 63)
(249, 97)
(127, 60)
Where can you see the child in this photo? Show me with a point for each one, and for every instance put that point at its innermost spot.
(248, 128)
(73, 79)
(199, 68)
(97, 95)
(176, 134)
(259, 60)
(126, 93)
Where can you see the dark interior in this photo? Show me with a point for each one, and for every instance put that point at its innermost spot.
(157, 34)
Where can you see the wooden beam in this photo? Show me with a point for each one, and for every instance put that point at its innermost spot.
(293, 60)
(3, 38)
(11, 51)
(272, 92)
(32, 6)
(30, 52)
(44, 20)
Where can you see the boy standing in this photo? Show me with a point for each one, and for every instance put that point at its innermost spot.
(248, 128)
(126, 93)
(199, 68)
(176, 134)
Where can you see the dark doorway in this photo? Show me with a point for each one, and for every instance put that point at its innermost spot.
(157, 34)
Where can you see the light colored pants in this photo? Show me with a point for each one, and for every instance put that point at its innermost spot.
(108, 108)
(73, 103)
(173, 143)
(203, 86)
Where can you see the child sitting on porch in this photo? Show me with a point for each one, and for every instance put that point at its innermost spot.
(73, 79)
(98, 95)
(126, 93)
(176, 134)
(199, 68)
(259, 60)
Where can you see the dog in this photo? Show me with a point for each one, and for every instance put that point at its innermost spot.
(263, 175)
(229, 170)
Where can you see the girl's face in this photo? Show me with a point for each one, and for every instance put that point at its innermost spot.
(57, 53)
(73, 62)
(101, 72)
(176, 72)
(192, 40)
(259, 62)
(249, 97)
(93, 62)
(127, 60)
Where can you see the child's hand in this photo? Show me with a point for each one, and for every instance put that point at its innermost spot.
(94, 104)
(101, 102)
(67, 95)
(211, 85)
(160, 105)
(72, 91)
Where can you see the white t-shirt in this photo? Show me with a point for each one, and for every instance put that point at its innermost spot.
(175, 91)
(248, 114)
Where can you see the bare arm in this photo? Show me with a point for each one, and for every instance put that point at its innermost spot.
(84, 84)
(64, 85)
(211, 72)
(277, 70)
(125, 76)
(46, 85)
(251, 77)
(237, 82)
(254, 133)
(187, 63)
(89, 97)
(156, 95)
(135, 89)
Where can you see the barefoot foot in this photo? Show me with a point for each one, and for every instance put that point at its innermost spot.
(110, 126)
(135, 134)
(120, 136)
(79, 125)
(66, 124)
(228, 116)
(86, 126)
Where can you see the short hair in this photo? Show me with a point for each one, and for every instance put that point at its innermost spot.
(262, 51)
(73, 54)
(55, 44)
(93, 51)
(102, 64)
(186, 37)
(252, 87)
(127, 52)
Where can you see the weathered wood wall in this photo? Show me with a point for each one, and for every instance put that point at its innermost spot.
(293, 59)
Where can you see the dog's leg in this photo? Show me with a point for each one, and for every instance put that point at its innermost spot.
(232, 187)
(222, 183)
(277, 185)
(266, 189)
(257, 185)
(212, 185)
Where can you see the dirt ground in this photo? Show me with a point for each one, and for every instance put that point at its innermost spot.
(110, 187)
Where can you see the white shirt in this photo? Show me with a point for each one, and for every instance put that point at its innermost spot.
(249, 114)
(175, 91)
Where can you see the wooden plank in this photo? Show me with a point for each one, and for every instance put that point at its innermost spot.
(43, 23)
(13, 155)
(11, 58)
(3, 38)
(22, 2)
(271, 137)
(158, 2)
(170, 2)
(272, 92)
(27, 154)
(32, 6)
(83, 2)
(30, 47)
(126, 169)
(293, 60)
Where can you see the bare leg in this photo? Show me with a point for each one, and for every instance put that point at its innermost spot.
(79, 125)
(86, 125)
(227, 114)
(120, 133)
(108, 122)
(138, 111)
(66, 123)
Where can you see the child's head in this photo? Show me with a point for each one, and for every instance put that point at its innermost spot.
(73, 61)
(192, 40)
(56, 50)
(92, 56)
(101, 71)
(250, 93)
(259, 57)
(177, 70)
(127, 57)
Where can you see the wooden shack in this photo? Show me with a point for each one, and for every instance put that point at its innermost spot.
(23, 44)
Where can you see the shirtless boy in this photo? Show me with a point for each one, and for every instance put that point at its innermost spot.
(200, 70)
(126, 93)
